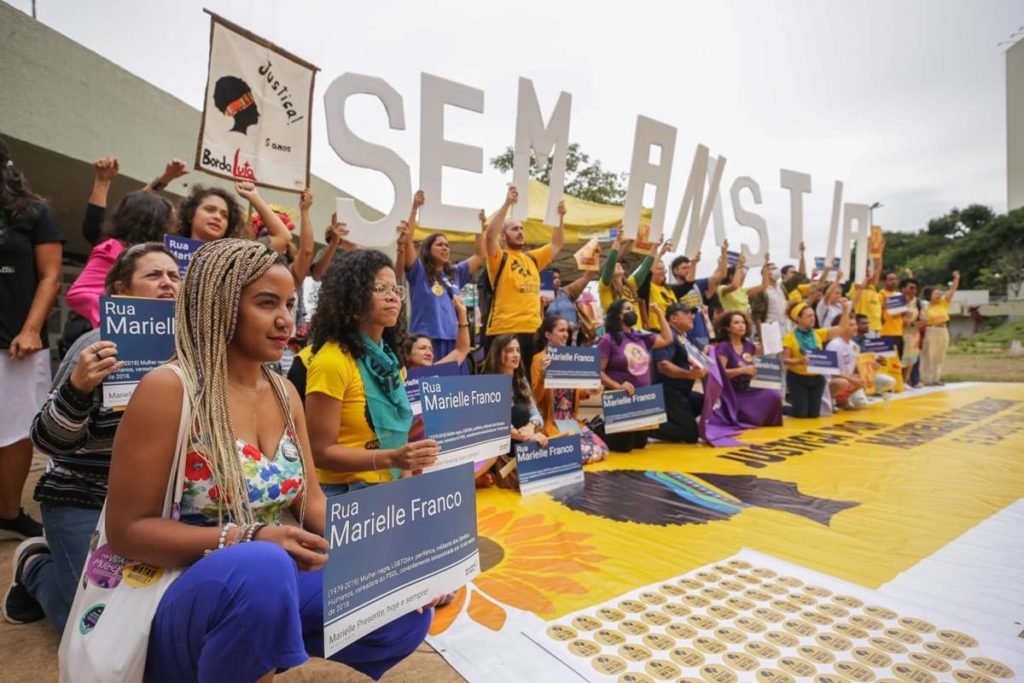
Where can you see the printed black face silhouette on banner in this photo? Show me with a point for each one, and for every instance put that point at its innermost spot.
(233, 97)
(673, 498)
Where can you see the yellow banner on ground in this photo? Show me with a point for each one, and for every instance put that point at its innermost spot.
(583, 220)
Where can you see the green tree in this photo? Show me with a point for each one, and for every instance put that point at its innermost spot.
(584, 179)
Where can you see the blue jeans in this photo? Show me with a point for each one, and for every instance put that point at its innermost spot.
(52, 579)
(242, 612)
(338, 489)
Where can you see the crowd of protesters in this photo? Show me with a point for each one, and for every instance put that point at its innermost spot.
(263, 445)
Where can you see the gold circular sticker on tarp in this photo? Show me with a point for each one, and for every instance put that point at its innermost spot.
(817, 591)
(930, 662)
(888, 645)
(774, 589)
(957, 638)
(944, 650)
(716, 673)
(140, 574)
(692, 584)
(805, 600)
(749, 578)
(676, 609)
(971, 677)
(734, 586)
(915, 624)
(709, 646)
(790, 581)
(751, 625)
(632, 606)
(880, 612)
(833, 641)
(724, 569)
(816, 618)
(702, 622)
(609, 664)
(867, 622)
(739, 564)
(607, 636)
(611, 614)
(830, 678)
(757, 594)
(655, 618)
(903, 635)
(736, 602)
(586, 623)
(763, 572)
(781, 639)
(652, 598)
(786, 606)
(662, 670)
(669, 589)
(871, 657)
(990, 667)
(559, 632)
(761, 649)
(855, 672)
(796, 666)
(770, 615)
(722, 612)
(911, 673)
(714, 593)
(799, 628)
(851, 631)
(833, 611)
(584, 648)
(696, 601)
(633, 628)
(686, 657)
(818, 655)
(848, 601)
(740, 661)
(730, 635)
(635, 677)
(707, 576)
(634, 653)
(681, 631)
(774, 676)
(657, 641)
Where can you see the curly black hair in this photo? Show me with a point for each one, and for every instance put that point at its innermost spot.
(346, 292)
(17, 200)
(613, 320)
(433, 269)
(141, 217)
(725, 320)
(190, 204)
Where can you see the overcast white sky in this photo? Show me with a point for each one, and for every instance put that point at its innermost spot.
(903, 101)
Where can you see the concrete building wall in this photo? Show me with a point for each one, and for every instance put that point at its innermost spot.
(1015, 126)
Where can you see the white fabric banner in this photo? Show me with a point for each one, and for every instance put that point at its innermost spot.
(257, 111)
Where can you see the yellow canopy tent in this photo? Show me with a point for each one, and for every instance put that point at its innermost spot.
(583, 220)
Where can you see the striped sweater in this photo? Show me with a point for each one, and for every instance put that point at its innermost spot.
(77, 432)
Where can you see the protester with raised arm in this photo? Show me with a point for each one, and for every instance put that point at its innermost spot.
(104, 172)
(733, 296)
(936, 333)
(614, 285)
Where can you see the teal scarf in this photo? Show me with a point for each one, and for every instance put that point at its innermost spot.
(807, 341)
(385, 394)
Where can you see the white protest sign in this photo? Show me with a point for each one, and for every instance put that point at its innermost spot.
(436, 152)
(358, 152)
(642, 172)
(545, 140)
(256, 111)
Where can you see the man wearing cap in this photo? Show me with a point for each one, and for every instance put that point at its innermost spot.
(676, 372)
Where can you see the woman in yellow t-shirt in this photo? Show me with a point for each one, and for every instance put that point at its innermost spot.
(936, 332)
(358, 412)
(805, 389)
(613, 284)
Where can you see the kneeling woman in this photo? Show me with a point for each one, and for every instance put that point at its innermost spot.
(359, 413)
(806, 389)
(560, 404)
(250, 599)
(626, 360)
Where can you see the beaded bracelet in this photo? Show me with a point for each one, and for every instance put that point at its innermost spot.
(251, 531)
(223, 537)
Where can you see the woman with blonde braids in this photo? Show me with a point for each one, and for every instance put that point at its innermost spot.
(250, 599)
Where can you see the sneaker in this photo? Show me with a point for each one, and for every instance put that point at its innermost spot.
(18, 606)
(21, 526)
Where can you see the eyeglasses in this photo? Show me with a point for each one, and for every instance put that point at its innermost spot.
(382, 290)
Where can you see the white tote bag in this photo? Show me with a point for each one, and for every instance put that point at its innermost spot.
(107, 631)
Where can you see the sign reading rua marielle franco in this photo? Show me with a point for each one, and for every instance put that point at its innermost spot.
(645, 409)
(183, 249)
(573, 367)
(542, 468)
(394, 548)
(143, 330)
(470, 416)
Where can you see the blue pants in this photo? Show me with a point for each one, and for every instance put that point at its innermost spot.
(52, 579)
(242, 612)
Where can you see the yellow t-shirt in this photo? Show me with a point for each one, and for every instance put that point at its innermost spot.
(892, 325)
(305, 355)
(516, 305)
(870, 304)
(790, 342)
(736, 300)
(607, 296)
(664, 297)
(938, 314)
(333, 371)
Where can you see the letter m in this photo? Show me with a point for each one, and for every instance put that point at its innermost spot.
(695, 205)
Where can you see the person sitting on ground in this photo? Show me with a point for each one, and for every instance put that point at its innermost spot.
(514, 275)
(936, 334)
(140, 217)
(806, 389)
(676, 372)
(561, 405)
(613, 284)
(250, 460)
(848, 387)
(359, 412)
(434, 284)
(626, 362)
(75, 429)
(504, 358)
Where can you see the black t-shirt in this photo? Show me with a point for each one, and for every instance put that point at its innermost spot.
(676, 354)
(18, 275)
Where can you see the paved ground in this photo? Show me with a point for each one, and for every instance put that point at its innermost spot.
(29, 652)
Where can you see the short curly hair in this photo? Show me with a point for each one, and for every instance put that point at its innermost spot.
(723, 322)
(189, 206)
(345, 296)
(141, 217)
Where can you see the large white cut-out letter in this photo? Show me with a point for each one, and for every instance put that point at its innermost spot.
(833, 226)
(695, 205)
(861, 215)
(436, 152)
(358, 152)
(797, 183)
(649, 133)
(717, 214)
(750, 219)
(545, 140)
